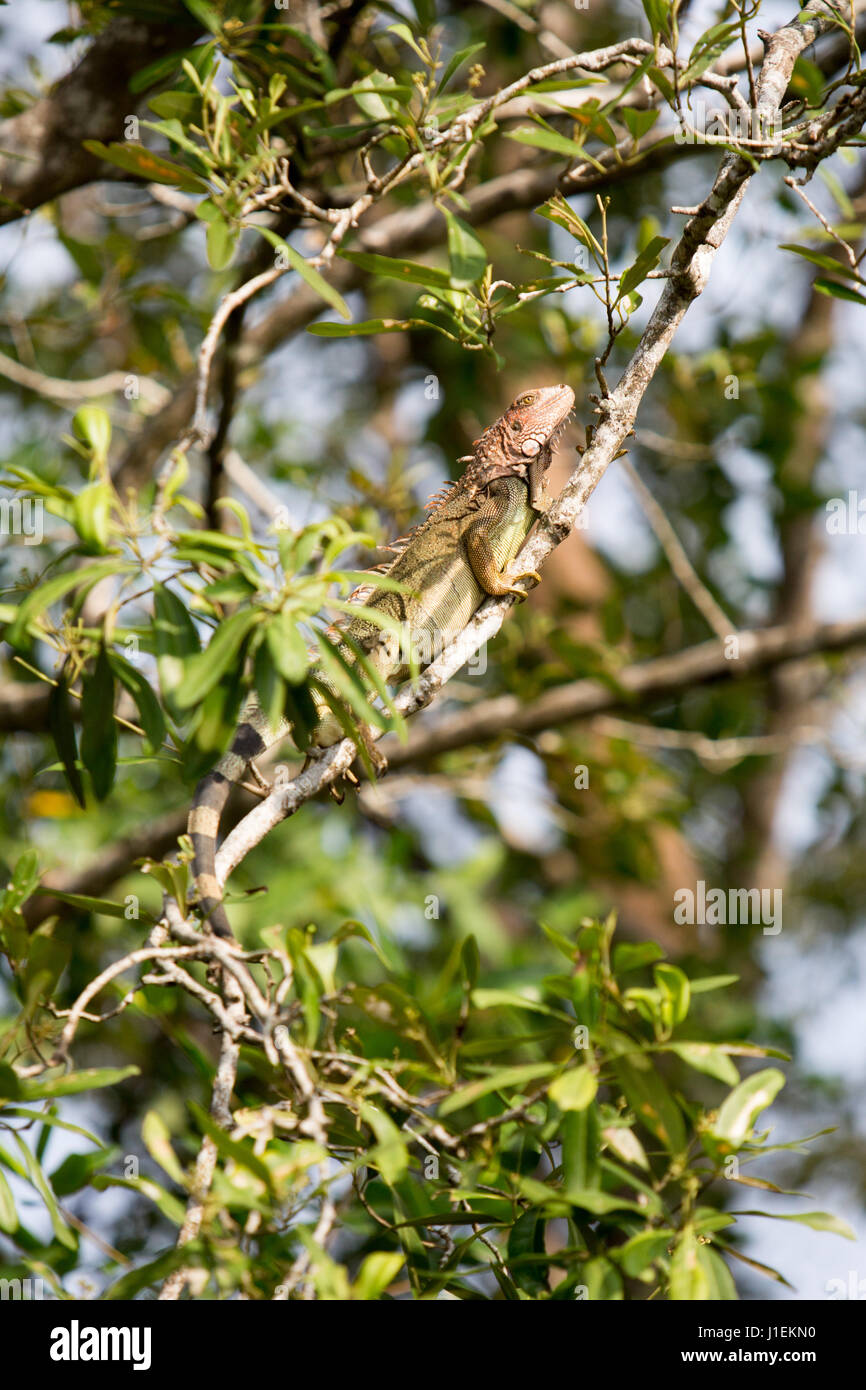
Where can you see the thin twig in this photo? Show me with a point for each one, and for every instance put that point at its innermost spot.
(678, 560)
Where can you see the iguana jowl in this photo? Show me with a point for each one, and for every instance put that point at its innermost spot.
(447, 566)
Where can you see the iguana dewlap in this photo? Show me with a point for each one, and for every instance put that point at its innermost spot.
(449, 564)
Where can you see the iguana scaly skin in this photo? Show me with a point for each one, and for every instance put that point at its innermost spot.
(447, 565)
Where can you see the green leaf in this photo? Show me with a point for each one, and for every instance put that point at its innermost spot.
(8, 1212)
(720, 1284)
(390, 1154)
(25, 878)
(343, 678)
(410, 272)
(214, 724)
(673, 984)
(102, 907)
(660, 79)
(48, 593)
(165, 1202)
(837, 290)
(204, 670)
(601, 1280)
(526, 1254)
(403, 32)
(287, 647)
(590, 117)
(206, 15)
(358, 330)
(739, 1111)
(542, 137)
(707, 1058)
(512, 999)
(10, 1084)
(574, 1089)
(830, 263)
(98, 729)
(377, 1271)
(658, 13)
(240, 1151)
(706, 983)
(653, 1104)
(222, 242)
(157, 1140)
(155, 1271)
(466, 254)
(86, 256)
(176, 640)
(638, 122)
(580, 1132)
(646, 261)
(170, 63)
(456, 60)
(628, 956)
(269, 686)
(48, 957)
(91, 516)
(559, 211)
(177, 105)
(470, 961)
(707, 49)
(378, 96)
(92, 425)
(643, 1249)
(317, 283)
(64, 1235)
(136, 159)
(506, 1078)
(817, 1220)
(689, 1282)
(600, 1203)
(63, 733)
(73, 1083)
(807, 80)
(149, 710)
(77, 1170)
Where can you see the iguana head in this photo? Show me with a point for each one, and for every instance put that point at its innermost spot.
(528, 428)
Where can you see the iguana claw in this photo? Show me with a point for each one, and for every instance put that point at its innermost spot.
(525, 574)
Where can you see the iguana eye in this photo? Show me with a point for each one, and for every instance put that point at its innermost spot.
(525, 400)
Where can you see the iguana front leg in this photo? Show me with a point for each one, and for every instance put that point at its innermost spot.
(540, 500)
(482, 559)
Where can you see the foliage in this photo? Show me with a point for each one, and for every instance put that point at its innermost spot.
(417, 1112)
(529, 1142)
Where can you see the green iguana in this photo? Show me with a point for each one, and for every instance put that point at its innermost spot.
(446, 567)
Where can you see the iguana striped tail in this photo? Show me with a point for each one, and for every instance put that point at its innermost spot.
(254, 736)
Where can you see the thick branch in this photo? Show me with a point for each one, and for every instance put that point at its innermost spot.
(703, 235)
(760, 650)
(638, 685)
(41, 150)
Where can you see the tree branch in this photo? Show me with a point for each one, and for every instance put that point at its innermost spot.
(690, 267)
(759, 650)
(42, 150)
